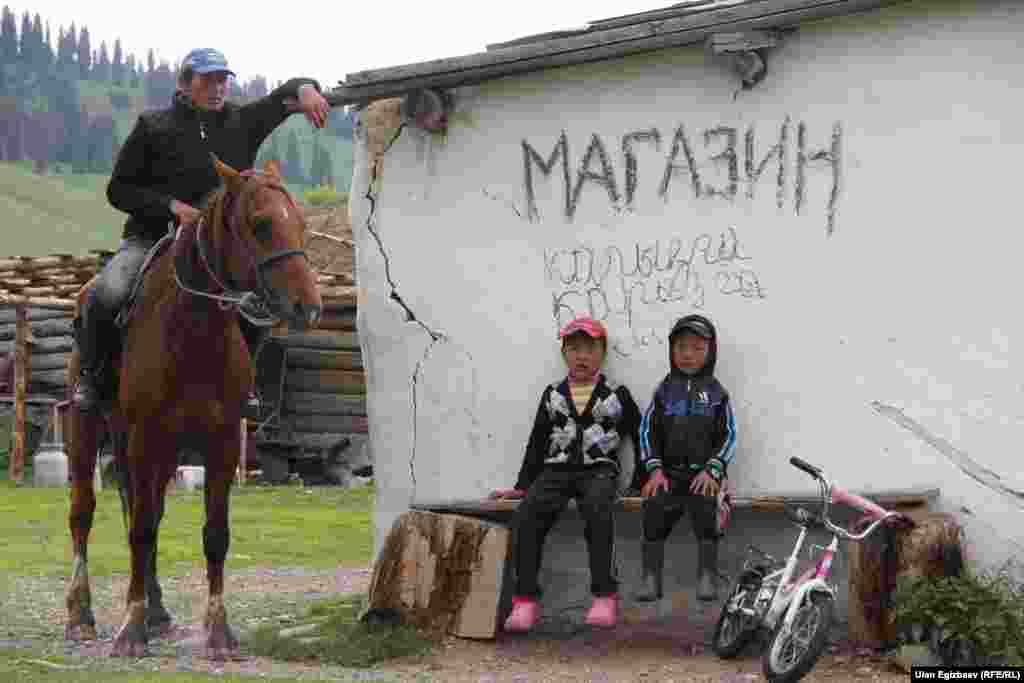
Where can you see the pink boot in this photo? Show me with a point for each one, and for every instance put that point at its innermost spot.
(523, 616)
(604, 612)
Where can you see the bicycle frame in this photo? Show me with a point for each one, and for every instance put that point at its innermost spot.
(788, 594)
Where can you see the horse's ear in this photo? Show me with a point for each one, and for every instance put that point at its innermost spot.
(272, 168)
(230, 176)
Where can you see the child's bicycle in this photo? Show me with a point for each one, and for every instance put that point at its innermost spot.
(797, 612)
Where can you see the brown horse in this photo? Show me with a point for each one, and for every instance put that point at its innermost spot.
(184, 371)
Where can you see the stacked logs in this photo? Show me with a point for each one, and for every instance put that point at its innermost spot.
(324, 387)
(48, 277)
(50, 339)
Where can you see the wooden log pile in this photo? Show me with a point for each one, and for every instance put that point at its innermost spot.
(49, 341)
(55, 277)
(326, 396)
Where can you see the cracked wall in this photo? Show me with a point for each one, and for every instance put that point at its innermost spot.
(881, 350)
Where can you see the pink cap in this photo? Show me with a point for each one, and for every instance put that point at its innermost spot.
(585, 324)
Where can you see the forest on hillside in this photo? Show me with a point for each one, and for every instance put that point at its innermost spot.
(66, 104)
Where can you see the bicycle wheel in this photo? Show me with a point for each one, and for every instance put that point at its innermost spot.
(791, 654)
(734, 629)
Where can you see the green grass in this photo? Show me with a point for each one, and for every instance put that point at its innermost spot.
(318, 528)
(26, 666)
(55, 213)
(339, 638)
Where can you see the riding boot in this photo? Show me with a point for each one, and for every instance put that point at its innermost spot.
(707, 562)
(653, 555)
(93, 339)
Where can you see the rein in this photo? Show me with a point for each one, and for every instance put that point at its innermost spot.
(250, 304)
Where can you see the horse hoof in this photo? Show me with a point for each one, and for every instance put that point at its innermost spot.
(159, 621)
(130, 641)
(221, 643)
(80, 632)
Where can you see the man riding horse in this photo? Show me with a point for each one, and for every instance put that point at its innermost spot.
(163, 171)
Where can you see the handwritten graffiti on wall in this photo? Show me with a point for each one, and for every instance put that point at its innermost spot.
(628, 287)
(682, 161)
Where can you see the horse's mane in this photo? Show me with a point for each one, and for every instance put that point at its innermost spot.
(211, 206)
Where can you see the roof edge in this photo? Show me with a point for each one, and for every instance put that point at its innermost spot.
(362, 87)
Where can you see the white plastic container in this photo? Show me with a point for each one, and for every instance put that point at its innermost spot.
(50, 465)
(50, 462)
(190, 477)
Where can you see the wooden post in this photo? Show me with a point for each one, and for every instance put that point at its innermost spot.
(242, 463)
(441, 572)
(918, 552)
(17, 464)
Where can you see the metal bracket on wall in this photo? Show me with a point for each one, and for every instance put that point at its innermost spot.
(747, 51)
(427, 108)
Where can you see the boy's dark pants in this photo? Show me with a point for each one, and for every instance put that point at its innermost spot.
(661, 512)
(595, 490)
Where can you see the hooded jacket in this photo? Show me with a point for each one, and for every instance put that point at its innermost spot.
(167, 155)
(563, 439)
(689, 425)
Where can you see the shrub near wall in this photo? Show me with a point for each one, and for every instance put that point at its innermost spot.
(971, 619)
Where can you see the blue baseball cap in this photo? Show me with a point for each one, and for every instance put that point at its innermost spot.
(206, 60)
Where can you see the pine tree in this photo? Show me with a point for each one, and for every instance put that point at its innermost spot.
(256, 88)
(65, 53)
(25, 41)
(117, 66)
(40, 60)
(100, 145)
(270, 150)
(101, 70)
(8, 37)
(133, 79)
(84, 54)
(48, 54)
(322, 165)
(293, 160)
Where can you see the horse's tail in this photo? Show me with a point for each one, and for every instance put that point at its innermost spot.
(122, 477)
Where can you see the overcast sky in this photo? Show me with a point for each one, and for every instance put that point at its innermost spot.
(322, 41)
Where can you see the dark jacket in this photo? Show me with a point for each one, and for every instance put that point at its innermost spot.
(561, 438)
(689, 425)
(167, 155)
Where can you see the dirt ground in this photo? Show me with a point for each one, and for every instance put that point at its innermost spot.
(327, 254)
(643, 648)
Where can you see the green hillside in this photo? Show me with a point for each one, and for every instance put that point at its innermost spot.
(55, 213)
(339, 148)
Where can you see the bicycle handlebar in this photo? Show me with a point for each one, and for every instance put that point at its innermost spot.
(826, 495)
(806, 467)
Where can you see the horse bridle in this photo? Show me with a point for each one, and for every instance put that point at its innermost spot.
(252, 305)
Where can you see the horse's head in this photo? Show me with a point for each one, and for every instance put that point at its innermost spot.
(268, 230)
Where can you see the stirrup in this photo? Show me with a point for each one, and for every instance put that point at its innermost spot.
(252, 407)
(88, 396)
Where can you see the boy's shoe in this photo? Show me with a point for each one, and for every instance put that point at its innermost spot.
(523, 616)
(604, 613)
(651, 588)
(707, 570)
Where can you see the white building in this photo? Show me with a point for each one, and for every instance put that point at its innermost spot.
(847, 222)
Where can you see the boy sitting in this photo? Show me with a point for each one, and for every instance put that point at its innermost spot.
(573, 453)
(687, 440)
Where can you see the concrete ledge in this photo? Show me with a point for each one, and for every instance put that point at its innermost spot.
(886, 498)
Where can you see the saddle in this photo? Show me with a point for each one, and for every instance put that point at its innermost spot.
(125, 314)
